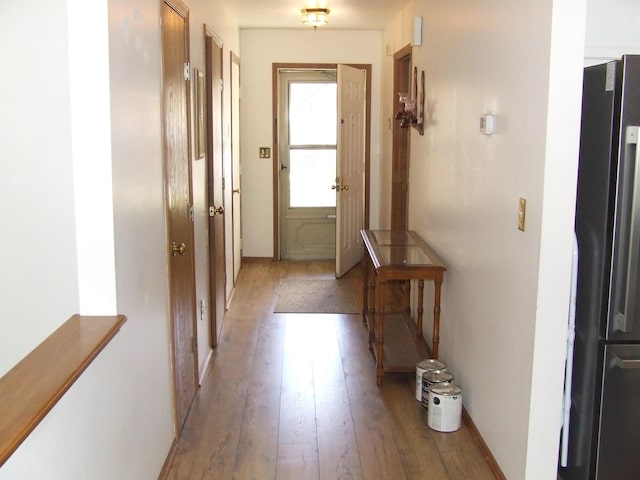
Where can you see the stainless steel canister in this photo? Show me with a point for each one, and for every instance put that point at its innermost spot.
(445, 407)
(430, 378)
(421, 368)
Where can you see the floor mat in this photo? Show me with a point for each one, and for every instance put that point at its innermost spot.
(316, 296)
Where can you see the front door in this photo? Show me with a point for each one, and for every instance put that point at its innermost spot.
(213, 52)
(350, 167)
(176, 129)
(307, 156)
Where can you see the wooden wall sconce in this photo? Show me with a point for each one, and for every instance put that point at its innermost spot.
(411, 107)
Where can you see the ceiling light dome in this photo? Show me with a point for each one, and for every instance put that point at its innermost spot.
(315, 16)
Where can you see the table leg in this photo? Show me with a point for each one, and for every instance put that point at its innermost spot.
(436, 315)
(407, 296)
(380, 343)
(420, 308)
(373, 309)
(365, 289)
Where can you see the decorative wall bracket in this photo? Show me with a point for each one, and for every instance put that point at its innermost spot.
(411, 111)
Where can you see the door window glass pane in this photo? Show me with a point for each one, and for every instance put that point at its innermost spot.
(313, 113)
(311, 174)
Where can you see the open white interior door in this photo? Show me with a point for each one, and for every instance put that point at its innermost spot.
(350, 167)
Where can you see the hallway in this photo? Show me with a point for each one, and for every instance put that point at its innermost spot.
(294, 396)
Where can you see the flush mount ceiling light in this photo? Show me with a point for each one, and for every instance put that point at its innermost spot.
(315, 16)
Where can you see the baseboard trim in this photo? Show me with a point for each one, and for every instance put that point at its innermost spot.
(164, 473)
(207, 364)
(233, 292)
(486, 453)
(257, 259)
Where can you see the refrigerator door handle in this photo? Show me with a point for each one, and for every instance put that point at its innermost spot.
(625, 283)
(626, 363)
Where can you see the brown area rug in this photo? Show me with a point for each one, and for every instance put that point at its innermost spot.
(316, 296)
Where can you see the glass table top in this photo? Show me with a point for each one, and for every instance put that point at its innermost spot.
(393, 237)
(404, 255)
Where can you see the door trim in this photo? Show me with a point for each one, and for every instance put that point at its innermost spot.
(210, 124)
(235, 153)
(276, 67)
(183, 11)
(400, 149)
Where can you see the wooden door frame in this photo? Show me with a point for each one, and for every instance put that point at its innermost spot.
(211, 36)
(275, 68)
(235, 60)
(183, 10)
(400, 149)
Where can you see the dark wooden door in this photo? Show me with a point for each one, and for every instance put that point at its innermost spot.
(213, 53)
(400, 155)
(179, 204)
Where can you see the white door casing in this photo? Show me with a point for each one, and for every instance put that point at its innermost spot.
(236, 169)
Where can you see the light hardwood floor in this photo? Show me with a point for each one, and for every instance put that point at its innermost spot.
(294, 396)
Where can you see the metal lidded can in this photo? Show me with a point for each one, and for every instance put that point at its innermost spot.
(430, 378)
(421, 368)
(445, 407)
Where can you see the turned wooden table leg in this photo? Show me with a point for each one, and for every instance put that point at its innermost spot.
(373, 309)
(365, 289)
(380, 343)
(436, 315)
(420, 308)
(407, 296)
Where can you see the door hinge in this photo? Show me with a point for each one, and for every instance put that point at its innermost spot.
(223, 183)
(191, 212)
(187, 71)
(194, 344)
(222, 85)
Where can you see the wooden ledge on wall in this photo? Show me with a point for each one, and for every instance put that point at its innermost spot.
(30, 389)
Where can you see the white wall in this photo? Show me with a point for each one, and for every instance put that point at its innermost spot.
(505, 294)
(217, 17)
(145, 417)
(97, 248)
(38, 265)
(612, 30)
(260, 49)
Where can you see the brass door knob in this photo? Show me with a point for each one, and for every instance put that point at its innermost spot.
(178, 249)
(218, 210)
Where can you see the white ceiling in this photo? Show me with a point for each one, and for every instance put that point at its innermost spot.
(345, 14)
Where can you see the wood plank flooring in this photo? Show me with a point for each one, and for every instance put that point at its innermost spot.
(294, 396)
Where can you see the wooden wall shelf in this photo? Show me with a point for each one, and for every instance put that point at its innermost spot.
(30, 389)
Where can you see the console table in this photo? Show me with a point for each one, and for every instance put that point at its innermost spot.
(398, 255)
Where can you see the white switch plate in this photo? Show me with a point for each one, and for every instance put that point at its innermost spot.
(417, 32)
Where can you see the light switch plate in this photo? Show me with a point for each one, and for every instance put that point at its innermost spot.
(265, 152)
(522, 210)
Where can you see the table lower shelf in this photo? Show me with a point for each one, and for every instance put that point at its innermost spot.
(403, 349)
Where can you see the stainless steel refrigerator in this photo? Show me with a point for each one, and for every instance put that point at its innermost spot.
(604, 427)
